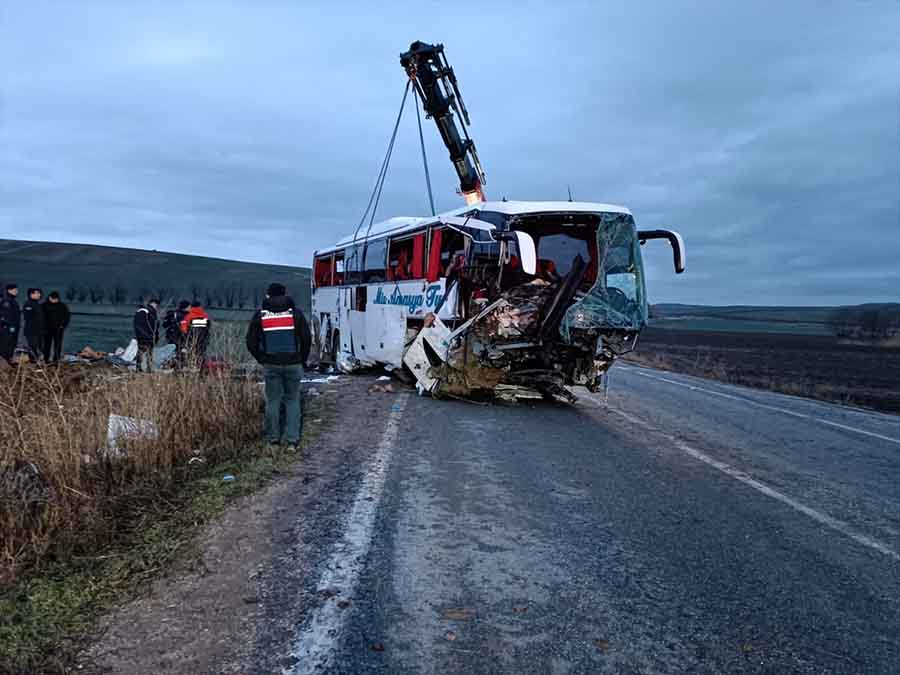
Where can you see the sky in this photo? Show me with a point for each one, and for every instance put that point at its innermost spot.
(770, 138)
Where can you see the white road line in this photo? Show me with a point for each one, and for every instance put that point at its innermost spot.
(317, 639)
(748, 401)
(746, 479)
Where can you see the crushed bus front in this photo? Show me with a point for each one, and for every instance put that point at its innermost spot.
(542, 330)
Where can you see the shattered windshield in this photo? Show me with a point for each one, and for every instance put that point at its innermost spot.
(617, 298)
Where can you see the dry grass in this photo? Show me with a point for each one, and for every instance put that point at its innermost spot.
(707, 364)
(62, 492)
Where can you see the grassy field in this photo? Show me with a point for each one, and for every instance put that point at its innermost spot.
(104, 329)
(134, 273)
(816, 366)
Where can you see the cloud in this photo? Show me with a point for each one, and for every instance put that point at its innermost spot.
(255, 132)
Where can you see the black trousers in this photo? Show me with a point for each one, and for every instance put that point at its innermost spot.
(35, 344)
(53, 345)
(8, 345)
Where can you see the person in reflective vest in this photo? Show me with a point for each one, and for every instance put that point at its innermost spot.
(195, 327)
(279, 339)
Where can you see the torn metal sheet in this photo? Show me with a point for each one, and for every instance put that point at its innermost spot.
(429, 349)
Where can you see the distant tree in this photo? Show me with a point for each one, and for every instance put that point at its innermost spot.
(118, 294)
(230, 295)
(97, 294)
(869, 322)
(241, 295)
(209, 297)
(840, 321)
(71, 293)
(165, 295)
(257, 296)
(82, 293)
(197, 291)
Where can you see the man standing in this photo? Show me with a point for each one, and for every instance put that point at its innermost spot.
(146, 332)
(9, 322)
(35, 325)
(57, 316)
(195, 329)
(279, 339)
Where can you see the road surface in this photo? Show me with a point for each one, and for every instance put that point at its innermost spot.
(677, 525)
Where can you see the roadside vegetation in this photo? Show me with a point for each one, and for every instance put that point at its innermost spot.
(87, 522)
(827, 368)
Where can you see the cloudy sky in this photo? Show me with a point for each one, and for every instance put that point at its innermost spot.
(769, 138)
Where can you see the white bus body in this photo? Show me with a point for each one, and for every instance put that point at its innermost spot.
(373, 292)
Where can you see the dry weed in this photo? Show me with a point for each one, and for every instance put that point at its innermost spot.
(62, 490)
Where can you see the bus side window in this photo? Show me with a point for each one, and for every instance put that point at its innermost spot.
(339, 268)
(452, 244)
(401, 259)
(323, 271)
(353, 264)
(373, 266)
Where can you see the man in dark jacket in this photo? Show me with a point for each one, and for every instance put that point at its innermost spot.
(35, 328)
(279, 339)
(9, 322)
(146, 332)
(56, 316)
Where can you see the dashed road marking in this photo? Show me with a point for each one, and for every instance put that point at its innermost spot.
(315, 643)
(748, 401)
(746, 479)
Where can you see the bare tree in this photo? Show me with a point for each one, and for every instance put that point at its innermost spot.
(229, 295)
(97, 294)
(868, 321)
(118, 294)
(241, 295)
(71, 292)
(165, 295)
(197, 291)
(82, 293)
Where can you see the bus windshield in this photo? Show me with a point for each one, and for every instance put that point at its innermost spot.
(617, 299)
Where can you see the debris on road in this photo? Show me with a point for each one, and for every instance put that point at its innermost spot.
(383, 388)
(458, 614)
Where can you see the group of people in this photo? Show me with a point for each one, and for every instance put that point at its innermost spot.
(43, 322)
(278, 337)
(187, 327)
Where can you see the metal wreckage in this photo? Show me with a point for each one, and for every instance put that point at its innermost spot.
(509, 299)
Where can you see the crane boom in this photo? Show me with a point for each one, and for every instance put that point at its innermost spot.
(435, 82)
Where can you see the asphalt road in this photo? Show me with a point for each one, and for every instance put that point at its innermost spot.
(678, 525)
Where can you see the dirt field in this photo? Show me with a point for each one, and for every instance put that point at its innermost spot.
(807, 365)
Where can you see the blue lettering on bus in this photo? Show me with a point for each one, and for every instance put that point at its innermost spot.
(412, 301)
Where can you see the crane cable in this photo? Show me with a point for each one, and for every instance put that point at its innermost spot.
(424, 156)
(379, 183)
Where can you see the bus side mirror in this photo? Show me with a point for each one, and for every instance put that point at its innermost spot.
(677, 243)
(527, 253)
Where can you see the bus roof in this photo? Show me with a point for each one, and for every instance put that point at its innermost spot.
(399, 225)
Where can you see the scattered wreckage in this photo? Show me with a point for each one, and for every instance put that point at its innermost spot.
(509, 298)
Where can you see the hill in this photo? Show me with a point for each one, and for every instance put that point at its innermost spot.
(106, 275)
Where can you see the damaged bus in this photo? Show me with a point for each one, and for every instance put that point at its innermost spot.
(498, 296)
(507, 298)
